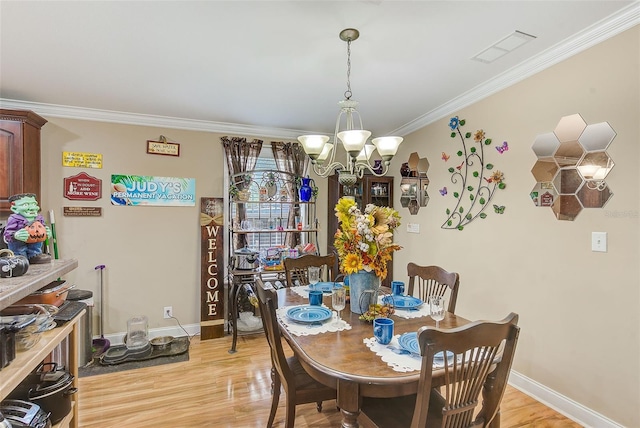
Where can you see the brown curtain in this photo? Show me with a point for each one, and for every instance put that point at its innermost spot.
(241, 157)
(290, 157)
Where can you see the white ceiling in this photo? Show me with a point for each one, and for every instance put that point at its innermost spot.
(278, 68)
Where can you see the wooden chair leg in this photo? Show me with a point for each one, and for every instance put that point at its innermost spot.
(275, 400)
(291, 413)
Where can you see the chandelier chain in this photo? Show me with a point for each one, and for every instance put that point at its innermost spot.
(353, 138)
(348, 93)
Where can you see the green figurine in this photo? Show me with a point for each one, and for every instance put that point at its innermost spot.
(26, 230)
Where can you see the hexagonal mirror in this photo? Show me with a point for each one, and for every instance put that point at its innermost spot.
(543, 194)
(413, 193)
(572, 166)
(566, 207)
(597, 136)
(545, 145)
(594, 194)
(569, 128)
(569, 153)
(567, 181)
(544, 169)
(595, 166)
(413, 190)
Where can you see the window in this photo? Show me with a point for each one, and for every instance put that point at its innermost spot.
(264, 215)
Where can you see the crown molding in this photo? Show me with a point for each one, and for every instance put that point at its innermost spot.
(605, 29)
(81, 113)
(597, 33)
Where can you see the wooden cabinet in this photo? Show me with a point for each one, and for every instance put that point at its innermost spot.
(368, 190)
(25, 362)
(19, 155)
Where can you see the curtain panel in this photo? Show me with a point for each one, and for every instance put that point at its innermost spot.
(290, 157)
(241, 157)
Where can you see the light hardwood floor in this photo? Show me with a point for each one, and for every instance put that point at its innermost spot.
(218, 389)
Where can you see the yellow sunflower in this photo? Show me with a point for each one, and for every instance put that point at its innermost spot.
(352, 263)
(380, 224)
(342, 210)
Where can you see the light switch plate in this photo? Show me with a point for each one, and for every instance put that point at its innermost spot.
(413, 227)
(599, 241)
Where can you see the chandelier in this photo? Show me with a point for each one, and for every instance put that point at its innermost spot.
(353, 139)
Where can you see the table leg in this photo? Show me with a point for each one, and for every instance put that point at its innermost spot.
(233, 318)
(348, 400)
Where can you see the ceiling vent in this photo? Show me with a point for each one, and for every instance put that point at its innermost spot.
(503, 47)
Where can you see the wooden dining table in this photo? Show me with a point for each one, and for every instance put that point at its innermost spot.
(342, 360)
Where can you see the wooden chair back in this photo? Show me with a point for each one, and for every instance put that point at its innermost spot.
(286, 371)
(296, 269)
(427, 281)
(265, 293)
(484, 353)
(268, 302)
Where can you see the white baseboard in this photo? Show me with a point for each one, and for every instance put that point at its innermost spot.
(175, 331)
(561, 404)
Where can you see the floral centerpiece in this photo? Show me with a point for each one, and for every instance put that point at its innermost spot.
(365, 244)
(365, 241)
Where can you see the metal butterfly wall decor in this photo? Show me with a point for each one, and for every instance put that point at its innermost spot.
(474, 181)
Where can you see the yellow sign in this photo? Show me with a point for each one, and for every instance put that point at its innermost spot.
(82, 160)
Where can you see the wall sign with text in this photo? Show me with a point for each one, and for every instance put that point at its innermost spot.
(163, 148)
(212, 308)
(82, 160)
(147, 190)
(82, 187)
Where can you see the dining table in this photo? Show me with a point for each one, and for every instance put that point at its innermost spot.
(341, 358)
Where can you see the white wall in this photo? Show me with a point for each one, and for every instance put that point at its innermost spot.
(579, 310)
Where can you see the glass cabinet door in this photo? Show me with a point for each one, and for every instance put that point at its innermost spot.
(378, 190)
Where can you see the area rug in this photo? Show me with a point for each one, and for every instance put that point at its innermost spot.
(96, 368)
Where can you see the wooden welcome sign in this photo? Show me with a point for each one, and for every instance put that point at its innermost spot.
(212, 232)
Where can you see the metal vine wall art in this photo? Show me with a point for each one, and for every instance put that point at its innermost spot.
(474, 182)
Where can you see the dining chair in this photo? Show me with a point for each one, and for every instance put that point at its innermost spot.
(482, 356)
(296, 269)
(287, 372)
(427, 281)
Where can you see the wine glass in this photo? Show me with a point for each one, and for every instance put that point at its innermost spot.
(436, 309)
(338, 301)
(314, 276)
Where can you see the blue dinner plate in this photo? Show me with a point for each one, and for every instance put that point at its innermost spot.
(402, 302)
(308, 314)
(409, 342)
(438, 358)
(325, 287)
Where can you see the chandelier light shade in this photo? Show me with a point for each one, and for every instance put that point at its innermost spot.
(351, 136)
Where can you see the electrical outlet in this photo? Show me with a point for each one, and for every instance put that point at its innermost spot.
(168, 311)
(413, 227)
